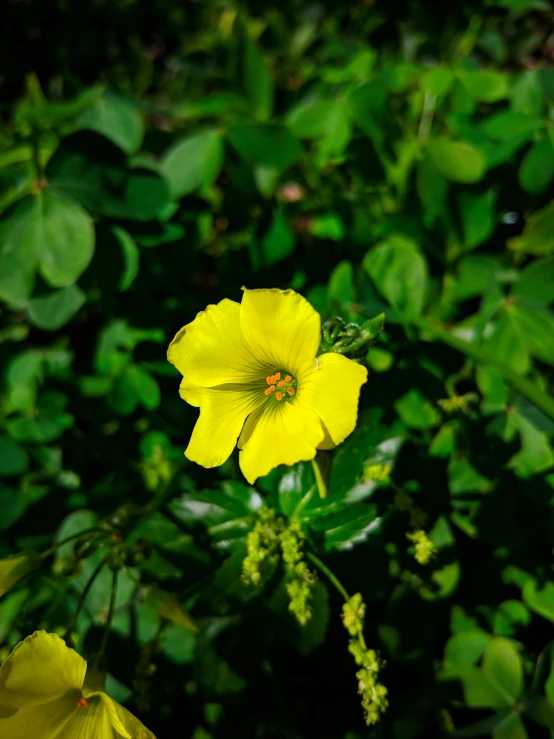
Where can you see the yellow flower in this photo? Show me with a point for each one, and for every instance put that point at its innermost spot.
(252, 370)
(14, 568)
(43, 695)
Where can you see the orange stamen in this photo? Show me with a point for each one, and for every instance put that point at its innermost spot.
(288, 378)
(277, 376)
(269, 390)
(82, 703)
(279, 396)
(281, 384)
(269, 380)
(290, 390)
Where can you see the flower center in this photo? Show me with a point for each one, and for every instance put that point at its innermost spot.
(82, 703)
(281, 386)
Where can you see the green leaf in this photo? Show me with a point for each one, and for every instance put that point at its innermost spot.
(511, 728)
(52, 311)
(466, 648)
(13, 458)
(167, 606)
(345, 528)
(267, 145)
(134, 386)
(328, 226)
(369, 443)
(464, 478)
(477, 211)
(485, 86)
(458, 161)
(278, 242)
(256, 77)
(509, 616)
(534, 285)
(399, 273)
(539, 598)
(49, 229)
(312, 120)
(541, 710)
(116, 119)
(130, 254)
(508, 124)
(146, 195)
(432, 188)
(504, 667)
(193, 163)
(537, 168)
(508, 346)
(47, 423)
(538, 235)
(479, 690)
(341, 285)
(416, 411)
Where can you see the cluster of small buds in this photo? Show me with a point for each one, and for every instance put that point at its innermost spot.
(262, 545)
(156, 471)
(373, 693)
(301, 579)
(424, 547)
(404, 503)
(377, 472)
(458, 403)
(353, 614)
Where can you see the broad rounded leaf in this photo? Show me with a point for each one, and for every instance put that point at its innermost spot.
(116, 119)
(504, 667)
(457, 160)
(485, 86)
(52, 311)
(193, 162)
(399, 272)
(537, 168)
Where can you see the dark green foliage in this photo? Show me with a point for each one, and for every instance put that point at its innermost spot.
(379, 157)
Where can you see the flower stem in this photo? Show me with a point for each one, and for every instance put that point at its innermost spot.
(333, 579)
(111, 610)
(322, 567)
(82, 599)
(59, 544)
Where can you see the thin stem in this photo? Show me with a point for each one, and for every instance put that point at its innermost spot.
(333, 579)
(83, 598)
(109, 620)
(322, 567)
(59, 544)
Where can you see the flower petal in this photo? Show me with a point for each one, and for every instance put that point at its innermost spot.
(281, 327)
(135, 728)
(223, 411)
(332, 391)
(45, 721)
(94, 721)
(40, 669)
(276, 435)
(212, 349)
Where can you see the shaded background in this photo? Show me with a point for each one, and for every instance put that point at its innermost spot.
(375, 156)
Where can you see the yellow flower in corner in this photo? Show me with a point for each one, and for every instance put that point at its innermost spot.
(252, 370)
(44, 695)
